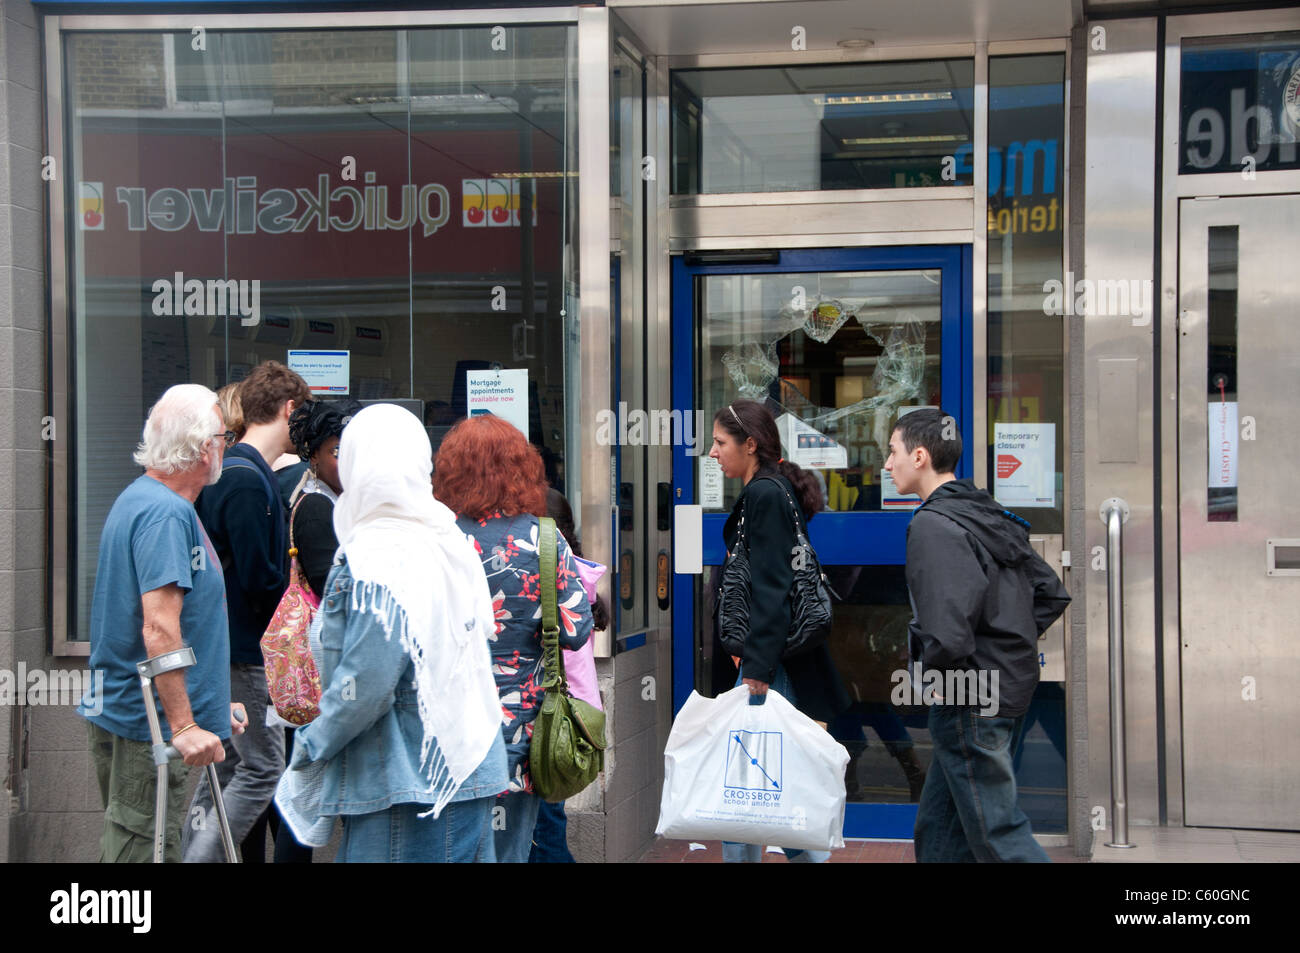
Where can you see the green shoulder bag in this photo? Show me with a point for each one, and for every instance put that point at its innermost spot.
(567, 750)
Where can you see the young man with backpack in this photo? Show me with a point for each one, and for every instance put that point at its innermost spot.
(244, 516)
(980, 597)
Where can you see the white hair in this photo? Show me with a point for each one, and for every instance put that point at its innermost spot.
(178, 429)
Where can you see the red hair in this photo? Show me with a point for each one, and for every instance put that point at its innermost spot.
(484, 466)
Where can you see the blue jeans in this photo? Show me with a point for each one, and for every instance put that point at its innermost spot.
(550, 836)
(248, 776)
(968, 810)
(733, 853)
(513, 818)
(461, 834)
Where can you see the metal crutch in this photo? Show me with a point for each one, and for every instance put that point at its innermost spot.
(149, 670)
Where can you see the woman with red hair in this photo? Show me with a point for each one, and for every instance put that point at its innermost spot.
(492, 479)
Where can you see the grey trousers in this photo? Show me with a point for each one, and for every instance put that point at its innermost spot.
(248, 776)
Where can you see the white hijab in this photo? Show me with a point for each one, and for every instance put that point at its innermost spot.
(420, 576)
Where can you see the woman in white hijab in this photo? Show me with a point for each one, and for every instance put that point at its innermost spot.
(407, 748)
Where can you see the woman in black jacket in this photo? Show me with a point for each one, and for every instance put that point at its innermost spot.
(315, 429)
(746, 445)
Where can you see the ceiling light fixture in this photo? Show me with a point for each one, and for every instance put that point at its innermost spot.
(891, 140)
(855, 43)
(875, 98)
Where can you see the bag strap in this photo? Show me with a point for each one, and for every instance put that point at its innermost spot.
(552, 659)
(800, 525)
(293, 550)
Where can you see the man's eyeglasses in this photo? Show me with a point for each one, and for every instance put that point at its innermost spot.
(230, 437)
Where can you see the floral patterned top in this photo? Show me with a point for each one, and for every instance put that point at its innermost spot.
(508, 547)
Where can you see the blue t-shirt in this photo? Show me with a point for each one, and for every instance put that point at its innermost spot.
(153, 538)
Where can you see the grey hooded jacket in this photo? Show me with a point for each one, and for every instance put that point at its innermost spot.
(980, 594)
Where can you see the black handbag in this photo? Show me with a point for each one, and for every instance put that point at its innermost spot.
(810, 592)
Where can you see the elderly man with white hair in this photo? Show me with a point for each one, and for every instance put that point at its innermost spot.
(159, 586)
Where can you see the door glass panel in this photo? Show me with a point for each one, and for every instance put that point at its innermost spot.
(1221, 364)
(835, 354)
(888, 743)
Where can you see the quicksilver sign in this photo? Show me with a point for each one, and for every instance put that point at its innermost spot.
(239, 208)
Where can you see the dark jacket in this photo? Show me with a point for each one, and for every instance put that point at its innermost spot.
(247, 527)
(313, 534)
(770, 534)
(980, 594)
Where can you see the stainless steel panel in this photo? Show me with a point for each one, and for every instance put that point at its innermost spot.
(765, 26)
(1117, 405)
(1231, 183)
(1240, 668)
(592, 503)
(723, 242)
(834, 223)
(1174, 185)
(839, 196)
(1119, 202)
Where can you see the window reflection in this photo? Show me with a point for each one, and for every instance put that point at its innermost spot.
(405, 197)
(1026, 219)
(837, 355)
(841, 126)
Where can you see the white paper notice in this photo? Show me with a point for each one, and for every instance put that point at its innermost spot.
(809, 448)
(1222, 443)
(326, 372)
(891, 499)
(504, 393)
(1025, 456)
(710, 484)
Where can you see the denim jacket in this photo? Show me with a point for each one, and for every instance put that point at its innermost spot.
(369, 730)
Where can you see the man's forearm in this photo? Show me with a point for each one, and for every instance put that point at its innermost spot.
(159, 639)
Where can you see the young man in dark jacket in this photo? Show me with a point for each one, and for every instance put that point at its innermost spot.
(245, 518)
(981, 597)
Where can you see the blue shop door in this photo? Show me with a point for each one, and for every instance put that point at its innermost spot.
(837, 342)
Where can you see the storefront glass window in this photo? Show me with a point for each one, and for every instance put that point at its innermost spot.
(1026, 219)
(405, 200)
(808, 128)
(1240, 107)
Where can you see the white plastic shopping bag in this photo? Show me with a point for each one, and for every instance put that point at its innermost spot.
(754, 774)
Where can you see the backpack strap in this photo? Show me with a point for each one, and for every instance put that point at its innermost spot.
(238, 463)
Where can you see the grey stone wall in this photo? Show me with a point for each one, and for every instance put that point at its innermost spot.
(614, 821)
(1077, 662)
(50, 809)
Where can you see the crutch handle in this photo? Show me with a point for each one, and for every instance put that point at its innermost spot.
(169, 752)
